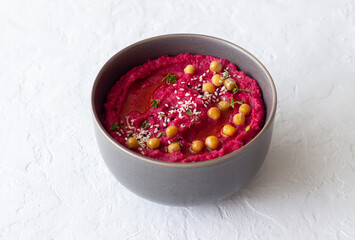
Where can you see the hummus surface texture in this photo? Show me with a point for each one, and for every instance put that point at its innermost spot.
(158, 94)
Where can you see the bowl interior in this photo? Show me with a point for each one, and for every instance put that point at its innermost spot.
(176, 44)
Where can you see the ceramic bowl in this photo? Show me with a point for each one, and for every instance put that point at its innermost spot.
(183, 183)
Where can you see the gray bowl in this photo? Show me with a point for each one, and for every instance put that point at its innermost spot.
(183, 183)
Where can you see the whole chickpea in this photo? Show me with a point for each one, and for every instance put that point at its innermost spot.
(212, 142)
(214, 113)
(153, 143)
(132, 142)
(215, 66)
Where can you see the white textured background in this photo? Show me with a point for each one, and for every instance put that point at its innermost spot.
(53, 182)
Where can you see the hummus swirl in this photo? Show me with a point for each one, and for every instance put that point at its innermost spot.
(158, 94)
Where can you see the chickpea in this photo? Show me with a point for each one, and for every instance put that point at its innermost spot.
(189, 69)
(217, 80)
(197, 146)
(153, 143)
(174, 147)
(224, 105)
(215, 66)
(214, 113)
(245, 109)
(228, 130)
(239, 119)
(171, 131)
(132, 142)
(230, 84)
(208, 87)
(212, 142)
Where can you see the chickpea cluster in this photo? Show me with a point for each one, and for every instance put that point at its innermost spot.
(214, 112)
(211, 142)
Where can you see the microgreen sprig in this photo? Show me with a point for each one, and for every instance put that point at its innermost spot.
(155, 103)
(114, 127)
(169, 78)
(180, 144)
(189, 112)
(145, 124)
(160, 134)
(226, 74)
(237, 89)
(232, 102)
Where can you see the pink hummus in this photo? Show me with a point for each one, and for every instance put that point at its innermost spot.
(129, 111)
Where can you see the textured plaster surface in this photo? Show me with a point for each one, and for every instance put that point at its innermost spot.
(53, 182)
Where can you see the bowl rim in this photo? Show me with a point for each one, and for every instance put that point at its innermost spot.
(213, 161)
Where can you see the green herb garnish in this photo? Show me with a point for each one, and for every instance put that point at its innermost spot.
(237, 89)
(115, 127)
(162, 115)
(191, 126)
(232, 102)
(196, 118)
(169, 78)
(155, 103)
(226, 74)
(188, 112)
(247, 128)
(145, 124)
(180, 144)
(160, 134)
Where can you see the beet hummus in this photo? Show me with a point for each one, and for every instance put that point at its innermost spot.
(186, 108)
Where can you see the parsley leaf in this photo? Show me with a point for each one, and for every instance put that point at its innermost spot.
(188, 112)
(155, 103)
(115, 127)
(169, 78)
(196, 118)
